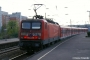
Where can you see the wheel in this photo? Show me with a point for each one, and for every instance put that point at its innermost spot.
(30, 51)
(48, 44)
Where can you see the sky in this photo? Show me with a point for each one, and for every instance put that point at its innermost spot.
(76, 9)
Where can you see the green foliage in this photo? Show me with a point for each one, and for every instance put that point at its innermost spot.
(12, 28)
(3, 27)
(2, 32)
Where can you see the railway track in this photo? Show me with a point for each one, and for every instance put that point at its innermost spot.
(14, 53)
(9, 53)
(8, 49)
(26, 55)
(8, 45)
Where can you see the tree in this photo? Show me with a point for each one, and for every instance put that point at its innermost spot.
(12, 28)
(2, 32)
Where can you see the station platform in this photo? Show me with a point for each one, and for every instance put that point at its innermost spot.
(74, 48)
(3, 41)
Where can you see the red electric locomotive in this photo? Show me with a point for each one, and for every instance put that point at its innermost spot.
(36, 33)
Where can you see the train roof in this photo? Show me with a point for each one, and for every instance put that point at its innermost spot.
(72, 27)
(45, 20)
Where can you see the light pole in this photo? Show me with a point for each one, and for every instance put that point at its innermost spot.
(89, 21)
(89, 16)
(46, 13)
(70, 21)
(5, 30)
(71, 26)
(66, 14)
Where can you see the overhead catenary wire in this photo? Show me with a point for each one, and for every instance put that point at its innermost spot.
(52, 11)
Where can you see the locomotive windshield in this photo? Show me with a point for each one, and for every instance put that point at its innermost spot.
(31, 25)
(36, 25)
(26, 25)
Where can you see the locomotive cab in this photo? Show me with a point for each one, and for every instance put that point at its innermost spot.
(30, 34)
(30, 30)
(38, 33)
